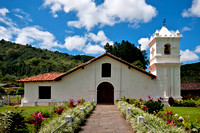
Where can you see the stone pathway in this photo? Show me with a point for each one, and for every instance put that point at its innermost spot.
(106, 119)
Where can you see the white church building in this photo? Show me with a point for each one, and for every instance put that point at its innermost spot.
(107, 78)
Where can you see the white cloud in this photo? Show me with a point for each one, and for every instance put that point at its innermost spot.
(144, 43)
(84, 43)
(74, 43)
(186, 29)
(194, 11)
(22, 15)
(4, 19)
(3, 11)
(93, 49)
(197, 50)
(5, 33)
(188, 55)
(100, 37)
(107, 13)
(44, 39)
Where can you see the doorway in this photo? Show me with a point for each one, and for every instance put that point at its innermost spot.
(105, 93)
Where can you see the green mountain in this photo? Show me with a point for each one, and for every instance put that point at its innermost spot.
(190, 73)
(19, 61)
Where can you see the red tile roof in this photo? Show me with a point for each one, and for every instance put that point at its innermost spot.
(190, 86)
(42, 77)
(57, 77)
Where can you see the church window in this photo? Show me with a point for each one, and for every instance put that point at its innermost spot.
(167, 49)
(106, 70)
(44, 92)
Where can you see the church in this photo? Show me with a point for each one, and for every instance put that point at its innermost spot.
(107, 78)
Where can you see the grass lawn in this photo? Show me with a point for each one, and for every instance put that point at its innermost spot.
(27, 110)
(14, 98)
(192, 113)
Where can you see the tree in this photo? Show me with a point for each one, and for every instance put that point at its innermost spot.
(127, 51)
(138, 64)
(11, 92)
(2, 90)
(20, 91)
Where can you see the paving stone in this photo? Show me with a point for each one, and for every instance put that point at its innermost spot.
(106, 119)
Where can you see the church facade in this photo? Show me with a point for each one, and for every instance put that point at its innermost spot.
(107, 78)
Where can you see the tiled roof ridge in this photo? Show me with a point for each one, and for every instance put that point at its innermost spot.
(42, 77)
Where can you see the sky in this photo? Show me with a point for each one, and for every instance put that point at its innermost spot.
(85, 26)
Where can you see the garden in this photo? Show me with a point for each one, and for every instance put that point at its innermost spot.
(45, 118)
(10, 96)
(181, 116)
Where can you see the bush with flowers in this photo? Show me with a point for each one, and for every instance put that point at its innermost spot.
(76, 123)
(36, 120)
(59, 110)
(175, 120)
(71, 103)
(150, 106)
(153, 106)
(155, 123)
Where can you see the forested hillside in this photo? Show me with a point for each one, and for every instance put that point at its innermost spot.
(190, 73)
(19, 61)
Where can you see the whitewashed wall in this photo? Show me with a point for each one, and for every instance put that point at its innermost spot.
(84, 82)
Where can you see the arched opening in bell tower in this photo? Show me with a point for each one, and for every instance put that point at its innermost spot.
(167, 49)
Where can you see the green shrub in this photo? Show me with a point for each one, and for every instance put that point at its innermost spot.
(123, 98)
(171, 101)
(20, 91)
(153, 106)
(186, 103)
(2, 90)
(189, 103)
(46, 114)
(11, 92)
(11, 121)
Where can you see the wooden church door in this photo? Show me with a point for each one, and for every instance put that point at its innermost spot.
(105, 93)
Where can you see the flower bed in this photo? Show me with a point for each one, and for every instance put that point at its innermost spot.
(155, 123)
(77, 121)
(30, 119)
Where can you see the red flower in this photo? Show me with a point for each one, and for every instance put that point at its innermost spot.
(59, 110)
(72, 100)
(79, 101)
(38, 118)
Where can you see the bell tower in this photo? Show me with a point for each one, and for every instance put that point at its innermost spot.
(165, 61)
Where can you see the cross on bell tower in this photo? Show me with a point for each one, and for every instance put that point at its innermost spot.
(164, 22)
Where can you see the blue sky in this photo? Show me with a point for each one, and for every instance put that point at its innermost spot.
(85, 26)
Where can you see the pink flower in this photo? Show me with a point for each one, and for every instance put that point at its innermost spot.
(149, 96)
(59, 110)
(170, 122)
(38, 118)
(79, 101)
(169, 113)
(72, 100)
